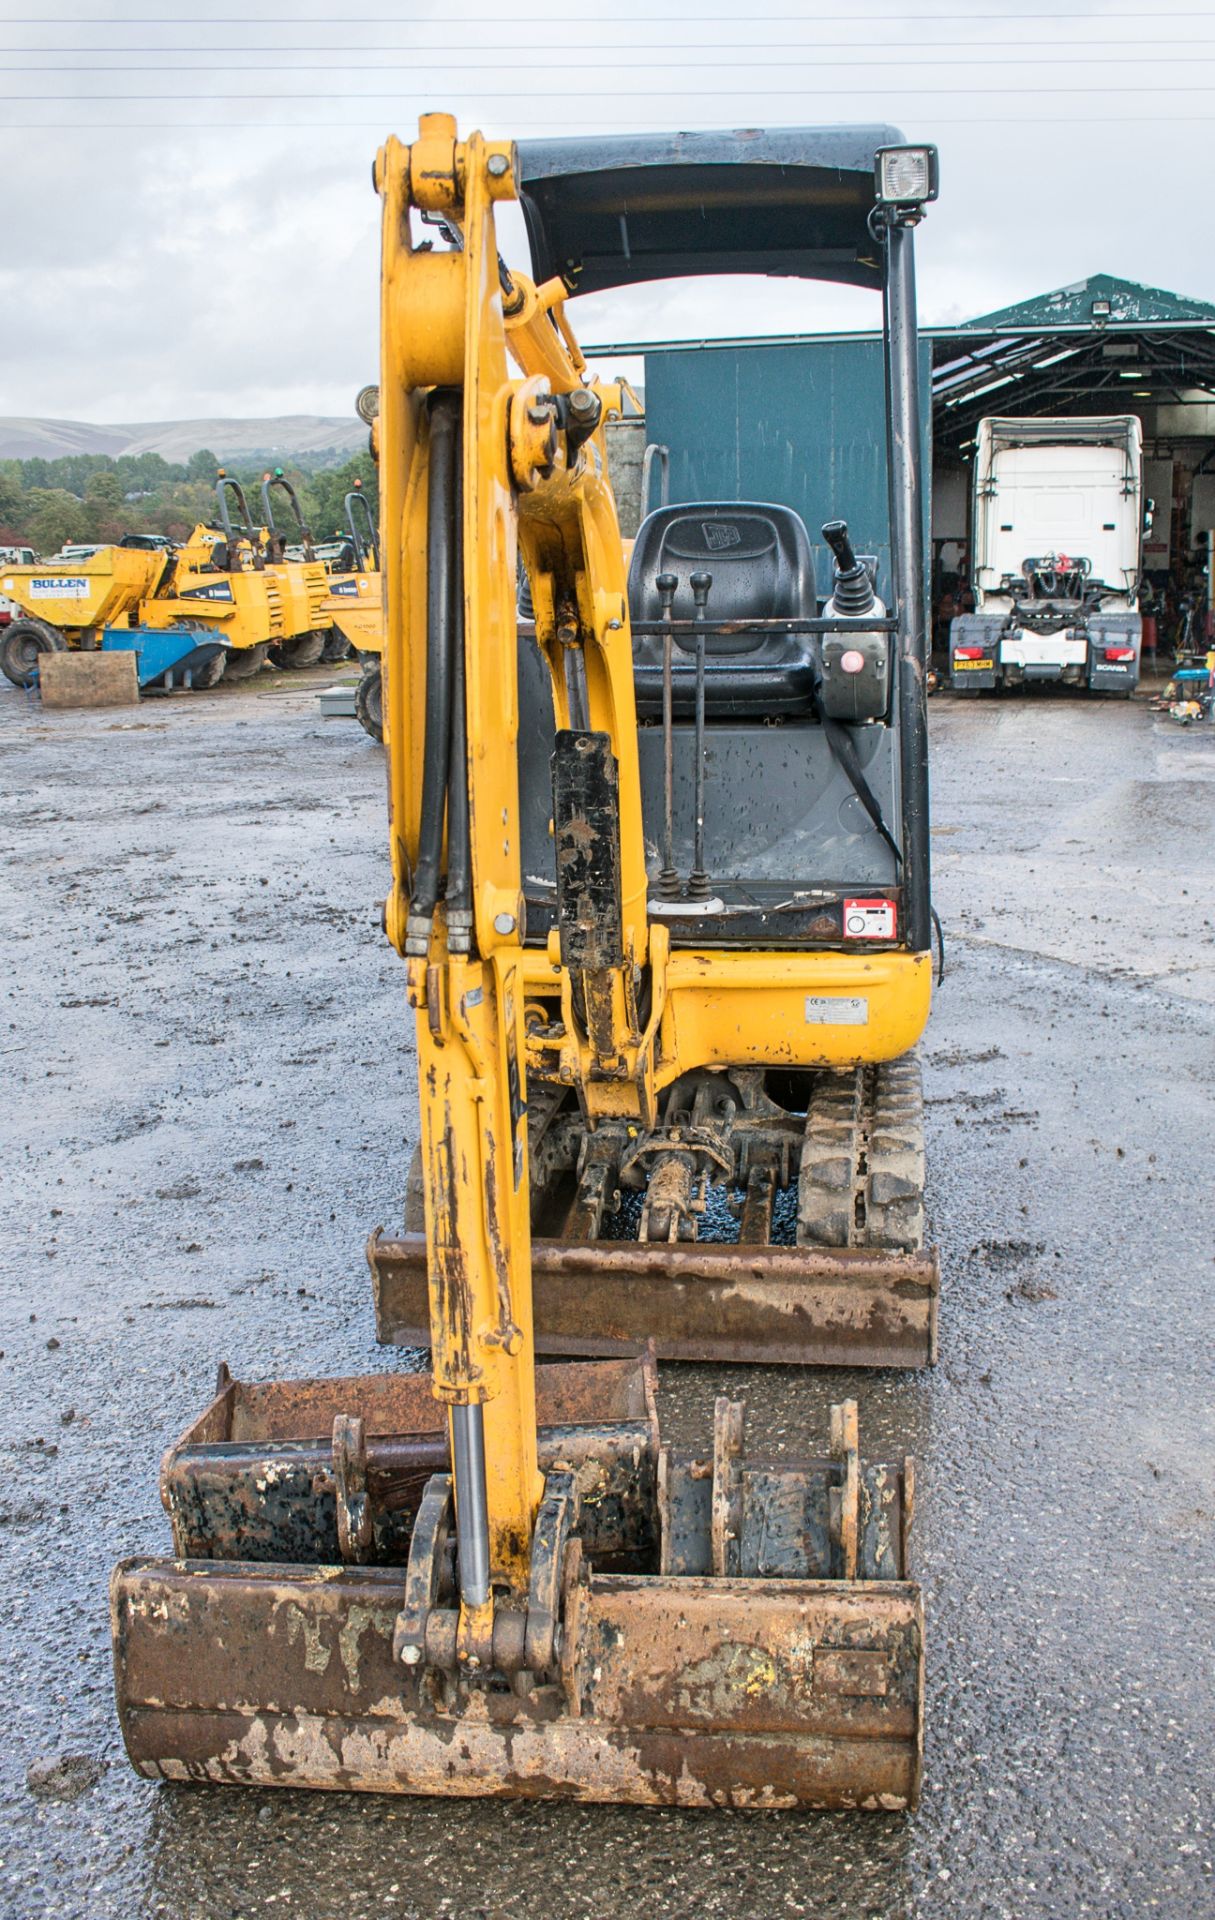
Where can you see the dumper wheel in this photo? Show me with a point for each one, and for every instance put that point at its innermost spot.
(244, 662)
(302, 650)
(861, 1182)
(209, 674)
(369, 702)
(23, 641)
(336, 648)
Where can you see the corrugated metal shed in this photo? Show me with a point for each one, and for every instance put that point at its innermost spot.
(800, 425)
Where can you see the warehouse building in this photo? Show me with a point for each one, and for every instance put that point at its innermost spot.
(1101, 345)
(797, 418)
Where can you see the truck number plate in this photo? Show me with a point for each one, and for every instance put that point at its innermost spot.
(973, 666)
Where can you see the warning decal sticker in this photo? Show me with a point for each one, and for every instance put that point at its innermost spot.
(869, 919)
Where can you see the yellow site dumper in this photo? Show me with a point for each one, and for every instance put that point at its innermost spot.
(326, 640)
(356, 605)
(189, 613)
(293, 629)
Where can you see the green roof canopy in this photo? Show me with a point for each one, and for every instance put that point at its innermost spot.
(1101, 345)
(1127, 302)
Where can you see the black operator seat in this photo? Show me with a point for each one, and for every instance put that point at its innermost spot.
(763, 569)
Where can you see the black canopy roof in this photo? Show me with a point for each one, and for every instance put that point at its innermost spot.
(614, 210)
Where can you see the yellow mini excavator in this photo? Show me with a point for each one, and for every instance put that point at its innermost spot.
(725, 1116)
(502, 1581)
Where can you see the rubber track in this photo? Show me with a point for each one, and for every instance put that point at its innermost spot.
(832, 1150)
(862, 1170)
(894, 1199)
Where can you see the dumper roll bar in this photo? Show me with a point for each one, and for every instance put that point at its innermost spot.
(280, 480)
(367, 543)
(618, 210)
(231, 536)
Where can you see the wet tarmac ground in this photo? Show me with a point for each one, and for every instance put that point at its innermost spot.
(208, 1097)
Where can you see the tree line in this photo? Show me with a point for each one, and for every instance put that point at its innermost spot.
(48, 504)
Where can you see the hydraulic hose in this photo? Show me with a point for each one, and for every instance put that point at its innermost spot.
(459, 848)
(436, 752)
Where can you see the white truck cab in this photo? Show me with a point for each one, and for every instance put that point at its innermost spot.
(1057, 534)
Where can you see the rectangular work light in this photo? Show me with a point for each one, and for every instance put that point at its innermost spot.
(905, 176)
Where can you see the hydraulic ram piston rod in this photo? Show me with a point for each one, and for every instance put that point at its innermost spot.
(472, 1507)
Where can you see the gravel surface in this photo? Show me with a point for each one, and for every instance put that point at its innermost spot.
(209, 1095)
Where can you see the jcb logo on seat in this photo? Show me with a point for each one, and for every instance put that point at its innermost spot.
(719, 534)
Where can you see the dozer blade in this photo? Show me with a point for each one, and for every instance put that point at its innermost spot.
(802, 1306)
(763, 1647)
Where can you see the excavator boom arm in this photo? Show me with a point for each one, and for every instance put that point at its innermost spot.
(478, 461)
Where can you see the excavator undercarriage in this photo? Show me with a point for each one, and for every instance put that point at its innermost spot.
(738, 1229)
(660, 884)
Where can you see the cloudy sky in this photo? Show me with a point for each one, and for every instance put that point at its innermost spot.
(189, 226)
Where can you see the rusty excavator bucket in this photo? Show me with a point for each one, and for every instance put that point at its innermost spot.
(498, 1579)
(724, 1630)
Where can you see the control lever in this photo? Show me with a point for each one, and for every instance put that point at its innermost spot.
(698, 879)
(668, 878)
(853, 590)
